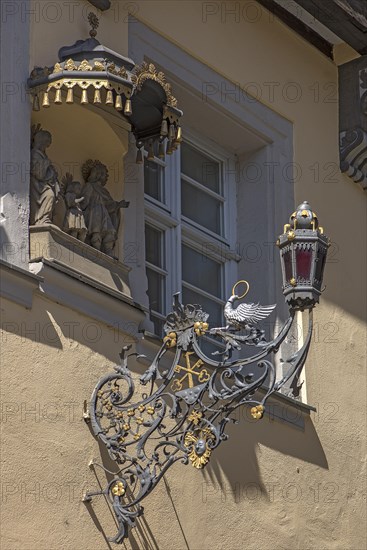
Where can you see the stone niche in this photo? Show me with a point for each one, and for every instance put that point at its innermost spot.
(79, 134)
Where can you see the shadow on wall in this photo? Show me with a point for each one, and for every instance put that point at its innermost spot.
(240, 465)
(35, 325)
(345, 270)
(232, 468)
(141, 536)
(55, 326)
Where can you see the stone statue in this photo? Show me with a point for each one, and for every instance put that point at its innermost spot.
(87, 212)
(44, 179)
(102, 212)
(74, 222)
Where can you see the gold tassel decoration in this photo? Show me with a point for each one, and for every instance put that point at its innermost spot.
(36, 102)
(128, 108)
(58, 98)
(172, 132)
(109, 98)
(118, 103)
(97, 96)
(46, 100)
(164, 127)
(139, 157)
(169, 150)
(70, 96)
(161, 153)
(150, 151)
(84, 99)
(178, 135)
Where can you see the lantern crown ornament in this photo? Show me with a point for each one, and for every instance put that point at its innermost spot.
(303, 249)
(90, 73)
(179, 408)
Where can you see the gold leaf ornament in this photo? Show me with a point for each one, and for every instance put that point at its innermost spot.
(195, 417)
(85, 66)
(257, 412)
(118, 489)
(57, 68)
(147, 71)
(69, 65)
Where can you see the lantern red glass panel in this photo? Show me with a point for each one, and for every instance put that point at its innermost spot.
(288, 265)
(320, 265)
(303, 263)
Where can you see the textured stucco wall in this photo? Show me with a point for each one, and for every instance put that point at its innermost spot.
(271, 485)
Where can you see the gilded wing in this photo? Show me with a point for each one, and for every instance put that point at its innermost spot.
(249, 313)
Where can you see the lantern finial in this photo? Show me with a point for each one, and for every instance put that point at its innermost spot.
(304, 217)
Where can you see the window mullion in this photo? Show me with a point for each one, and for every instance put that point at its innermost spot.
(190, 181)
(159, 270)
(190, 226)
(230, 207)
(203, 292)
(176, 234)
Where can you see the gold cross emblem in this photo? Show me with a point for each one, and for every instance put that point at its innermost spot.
(190, 371)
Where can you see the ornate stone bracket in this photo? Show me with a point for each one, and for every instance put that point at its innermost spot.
(353, 120)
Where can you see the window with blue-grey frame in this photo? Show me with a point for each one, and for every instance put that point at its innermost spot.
(189, 229)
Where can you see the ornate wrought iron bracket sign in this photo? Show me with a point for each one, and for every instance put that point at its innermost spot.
(180, 412)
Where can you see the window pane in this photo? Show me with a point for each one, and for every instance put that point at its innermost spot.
(153, 180)
(201, 207)
(201, 271)
(199, 167)
(215, 310)
(158, 325)
(153, 245)
(209, 346)
(155, 290)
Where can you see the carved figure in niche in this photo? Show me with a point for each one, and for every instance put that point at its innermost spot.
(44, 179)
(74, 223)
(59, 214)
(102, 212)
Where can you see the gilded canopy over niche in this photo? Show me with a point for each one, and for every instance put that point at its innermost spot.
(87, 72)
(147, 71)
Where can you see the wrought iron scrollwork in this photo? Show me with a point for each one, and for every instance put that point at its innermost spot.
(180, 412)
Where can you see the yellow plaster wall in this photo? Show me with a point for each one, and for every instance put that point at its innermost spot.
(271, 485)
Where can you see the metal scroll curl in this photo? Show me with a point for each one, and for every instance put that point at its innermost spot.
(180, 412)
